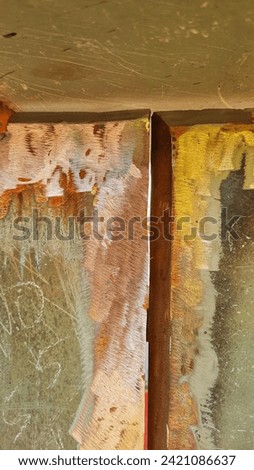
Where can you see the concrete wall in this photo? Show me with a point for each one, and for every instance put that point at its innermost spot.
(101, 55)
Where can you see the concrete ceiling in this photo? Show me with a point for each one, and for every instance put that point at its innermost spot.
(101, 55)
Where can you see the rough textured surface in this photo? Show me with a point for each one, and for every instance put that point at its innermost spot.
(72, 310)
(98, 55)
(211, 313)
(233, 332)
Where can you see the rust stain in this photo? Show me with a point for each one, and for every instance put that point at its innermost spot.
(24, 180)
(70, 203)
(14, 196)
(82, 173)
(5, 114)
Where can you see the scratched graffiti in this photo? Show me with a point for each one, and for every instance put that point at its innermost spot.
(40, 354)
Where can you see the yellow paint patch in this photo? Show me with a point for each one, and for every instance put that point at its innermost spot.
(203, 156)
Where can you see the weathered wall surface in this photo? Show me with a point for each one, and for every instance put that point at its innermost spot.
(211, 313)
(97, 55)
(73, 299)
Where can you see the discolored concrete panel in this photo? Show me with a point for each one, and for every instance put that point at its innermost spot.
(233, 330)
(206, 315)
(111, 55)
(73, 298)
(41, 361)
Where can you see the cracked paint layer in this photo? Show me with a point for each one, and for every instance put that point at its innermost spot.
(211, 353)
(73, 315)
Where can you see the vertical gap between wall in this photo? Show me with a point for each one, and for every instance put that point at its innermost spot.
(159, 289)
